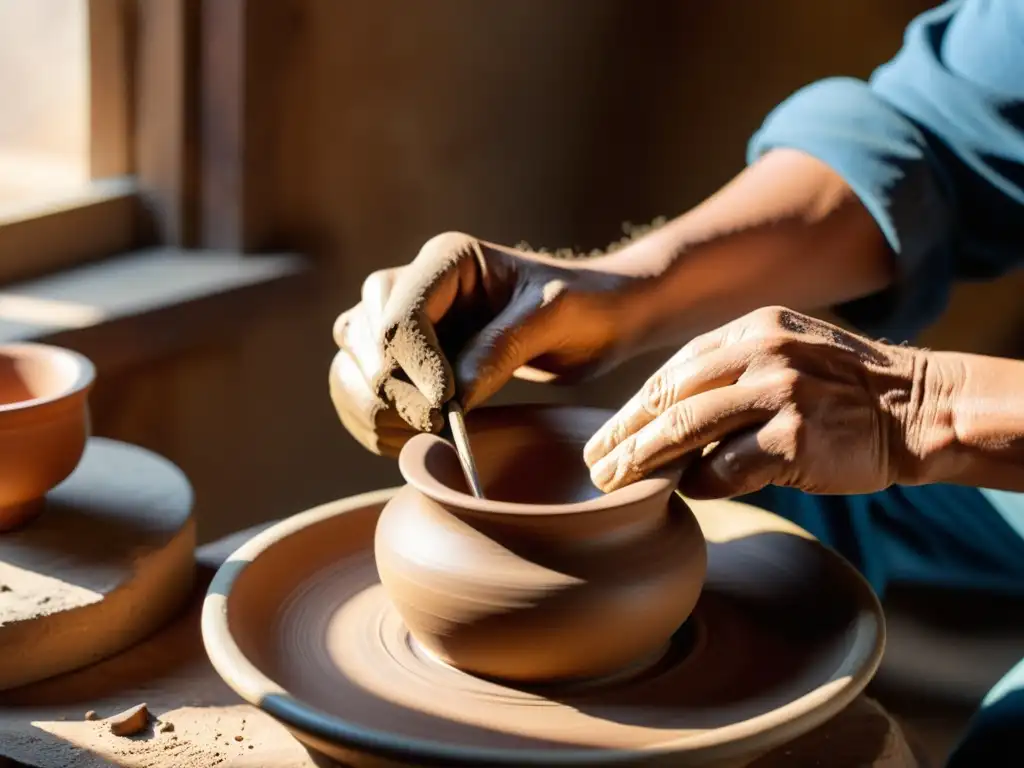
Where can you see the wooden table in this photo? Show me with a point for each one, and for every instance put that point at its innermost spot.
(45, 725)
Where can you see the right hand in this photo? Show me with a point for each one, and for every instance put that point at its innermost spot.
(461, 320)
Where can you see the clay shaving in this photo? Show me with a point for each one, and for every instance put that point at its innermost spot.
(131, 722)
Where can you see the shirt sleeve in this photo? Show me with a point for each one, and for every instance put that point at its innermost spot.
(933, 145)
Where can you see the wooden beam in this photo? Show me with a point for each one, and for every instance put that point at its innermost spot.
(111, 34)
(148, 305)
(244, 49)
(222, 124)
(164, 111)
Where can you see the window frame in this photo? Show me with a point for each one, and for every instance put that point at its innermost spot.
(137, 151)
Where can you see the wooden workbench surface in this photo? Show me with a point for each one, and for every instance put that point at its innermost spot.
(201, 723)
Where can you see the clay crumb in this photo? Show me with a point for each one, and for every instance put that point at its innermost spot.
(130, 722)
(239, 737)
(90, 715)
(5, 588)
(166, 727)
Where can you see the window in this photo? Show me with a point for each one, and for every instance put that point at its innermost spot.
(106, 157)
(68, 192)
(44, 81)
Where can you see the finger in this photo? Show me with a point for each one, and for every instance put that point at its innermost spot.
(357, 337)
(681, 377)
(360, 329)
(350, 390)
(375, 292)
(384, 442)
(753, 326)
(687, 426)
(341, 324)
(421, 295)
(413, 408)
(522, 331)
(741, 464)
(364, 415)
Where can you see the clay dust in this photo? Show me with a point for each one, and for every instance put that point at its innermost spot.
(199, 737)
(632, 233)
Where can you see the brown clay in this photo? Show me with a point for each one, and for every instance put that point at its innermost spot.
(130, 722)
(785, 636)
(546, 578)
(44, 424)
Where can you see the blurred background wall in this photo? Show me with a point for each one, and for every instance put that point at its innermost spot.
(552, 122)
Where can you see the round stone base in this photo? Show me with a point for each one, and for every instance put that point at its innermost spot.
(107, 560)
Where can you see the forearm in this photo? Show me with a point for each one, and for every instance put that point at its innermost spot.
(971, 425)
(788, 230)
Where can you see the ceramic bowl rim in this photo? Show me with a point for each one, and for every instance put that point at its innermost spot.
(411, 463)
(240, 674)
(85, 373)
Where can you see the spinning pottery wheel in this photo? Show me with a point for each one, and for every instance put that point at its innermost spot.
(784, 636)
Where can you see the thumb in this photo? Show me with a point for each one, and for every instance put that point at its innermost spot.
(740, 464)
(522, 331)
(421, 296)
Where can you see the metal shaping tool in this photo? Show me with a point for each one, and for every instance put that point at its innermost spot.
(457, 422)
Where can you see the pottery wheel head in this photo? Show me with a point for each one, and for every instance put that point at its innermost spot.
(783, 637)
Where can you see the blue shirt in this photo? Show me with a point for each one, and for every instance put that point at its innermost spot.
(933, 144)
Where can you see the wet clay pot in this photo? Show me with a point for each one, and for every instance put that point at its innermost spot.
(546, 578)
(44, 424)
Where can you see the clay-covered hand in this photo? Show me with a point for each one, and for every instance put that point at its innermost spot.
(465, 316)
(774, 398)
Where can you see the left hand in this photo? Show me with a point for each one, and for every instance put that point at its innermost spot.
(789, 400)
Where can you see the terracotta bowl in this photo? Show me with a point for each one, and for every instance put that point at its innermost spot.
(546, 578)
(44, 424)
(785, 635)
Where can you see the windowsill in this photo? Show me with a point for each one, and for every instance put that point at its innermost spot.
(20, 203)
(145, 304)
(61, 227)
(31, 185)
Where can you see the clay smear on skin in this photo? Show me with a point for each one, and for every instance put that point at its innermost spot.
(408, 343)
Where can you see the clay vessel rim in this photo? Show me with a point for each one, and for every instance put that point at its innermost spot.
(412, 465)
(253, 686)
(84, 377)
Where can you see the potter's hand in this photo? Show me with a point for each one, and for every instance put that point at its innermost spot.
(789, 400)
(465, 316)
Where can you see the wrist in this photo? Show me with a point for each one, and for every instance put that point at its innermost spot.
(930, 450)
(665, 314)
